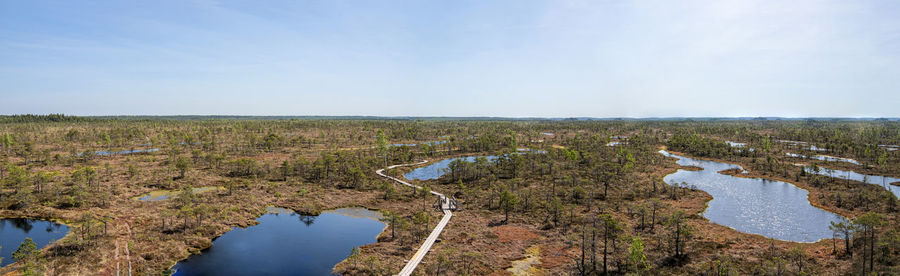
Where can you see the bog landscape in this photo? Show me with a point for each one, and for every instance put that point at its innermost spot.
(200, 196)
(498, 137)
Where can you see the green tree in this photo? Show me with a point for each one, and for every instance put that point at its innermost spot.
(186, 212)
(354, 257)
(425, 193)
(508, 202)
(611, 230)
(7, 142)
(844, 228)
(16, 178)
(26, 251)
(422, 218)
(391, 219)
(86, 221)
(389, 190)
(187, 196)
(636, 254)
(868, 224)
(381, 143)
(680, 232)
(182, 164)
(511, 142)
(230, 185)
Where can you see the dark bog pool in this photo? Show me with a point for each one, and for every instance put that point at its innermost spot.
(286, 243)
(774, 209)
(13, 232)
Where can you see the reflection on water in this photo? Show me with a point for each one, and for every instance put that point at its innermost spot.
(432, 143)
(286, 243)
(13, 232)
(740, 146)
(736, 144)
(770, 208)
(884, 181)
(103, 152)
(437, 169)
(824, 158)
(890, 147)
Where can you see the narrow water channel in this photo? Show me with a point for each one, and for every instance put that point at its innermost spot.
(883, 181)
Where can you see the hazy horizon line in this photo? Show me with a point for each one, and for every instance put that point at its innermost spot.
(479, 116)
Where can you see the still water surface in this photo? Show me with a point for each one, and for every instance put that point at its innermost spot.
(437, 169)
(827, 158)
(883, 181)
(774, 209)
(13, 232)
(286, 243)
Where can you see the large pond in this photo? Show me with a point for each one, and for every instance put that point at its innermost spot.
(13, 232)
(884, 181)
(774, 209)
(287, 243)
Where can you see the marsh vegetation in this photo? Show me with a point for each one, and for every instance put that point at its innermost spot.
(595, 198)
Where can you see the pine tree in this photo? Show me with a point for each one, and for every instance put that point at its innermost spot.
(26, 251)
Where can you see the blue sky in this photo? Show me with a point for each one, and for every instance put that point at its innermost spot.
(451, 58)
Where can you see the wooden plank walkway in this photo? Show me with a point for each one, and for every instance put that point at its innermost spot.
(426, 246)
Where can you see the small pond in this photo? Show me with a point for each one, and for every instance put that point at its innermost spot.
(527, 150)
(103, 152)
(792, 142)
(13, 232)
(827, 158)
(437, 169)
(432, 143)
(740, 146)
(736, 144)
(286, 243)
(884, 181)
(166, 194)
(770, 208)
(890, 147)
(801, 143)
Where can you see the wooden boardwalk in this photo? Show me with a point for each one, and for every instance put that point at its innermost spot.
(426, 246)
